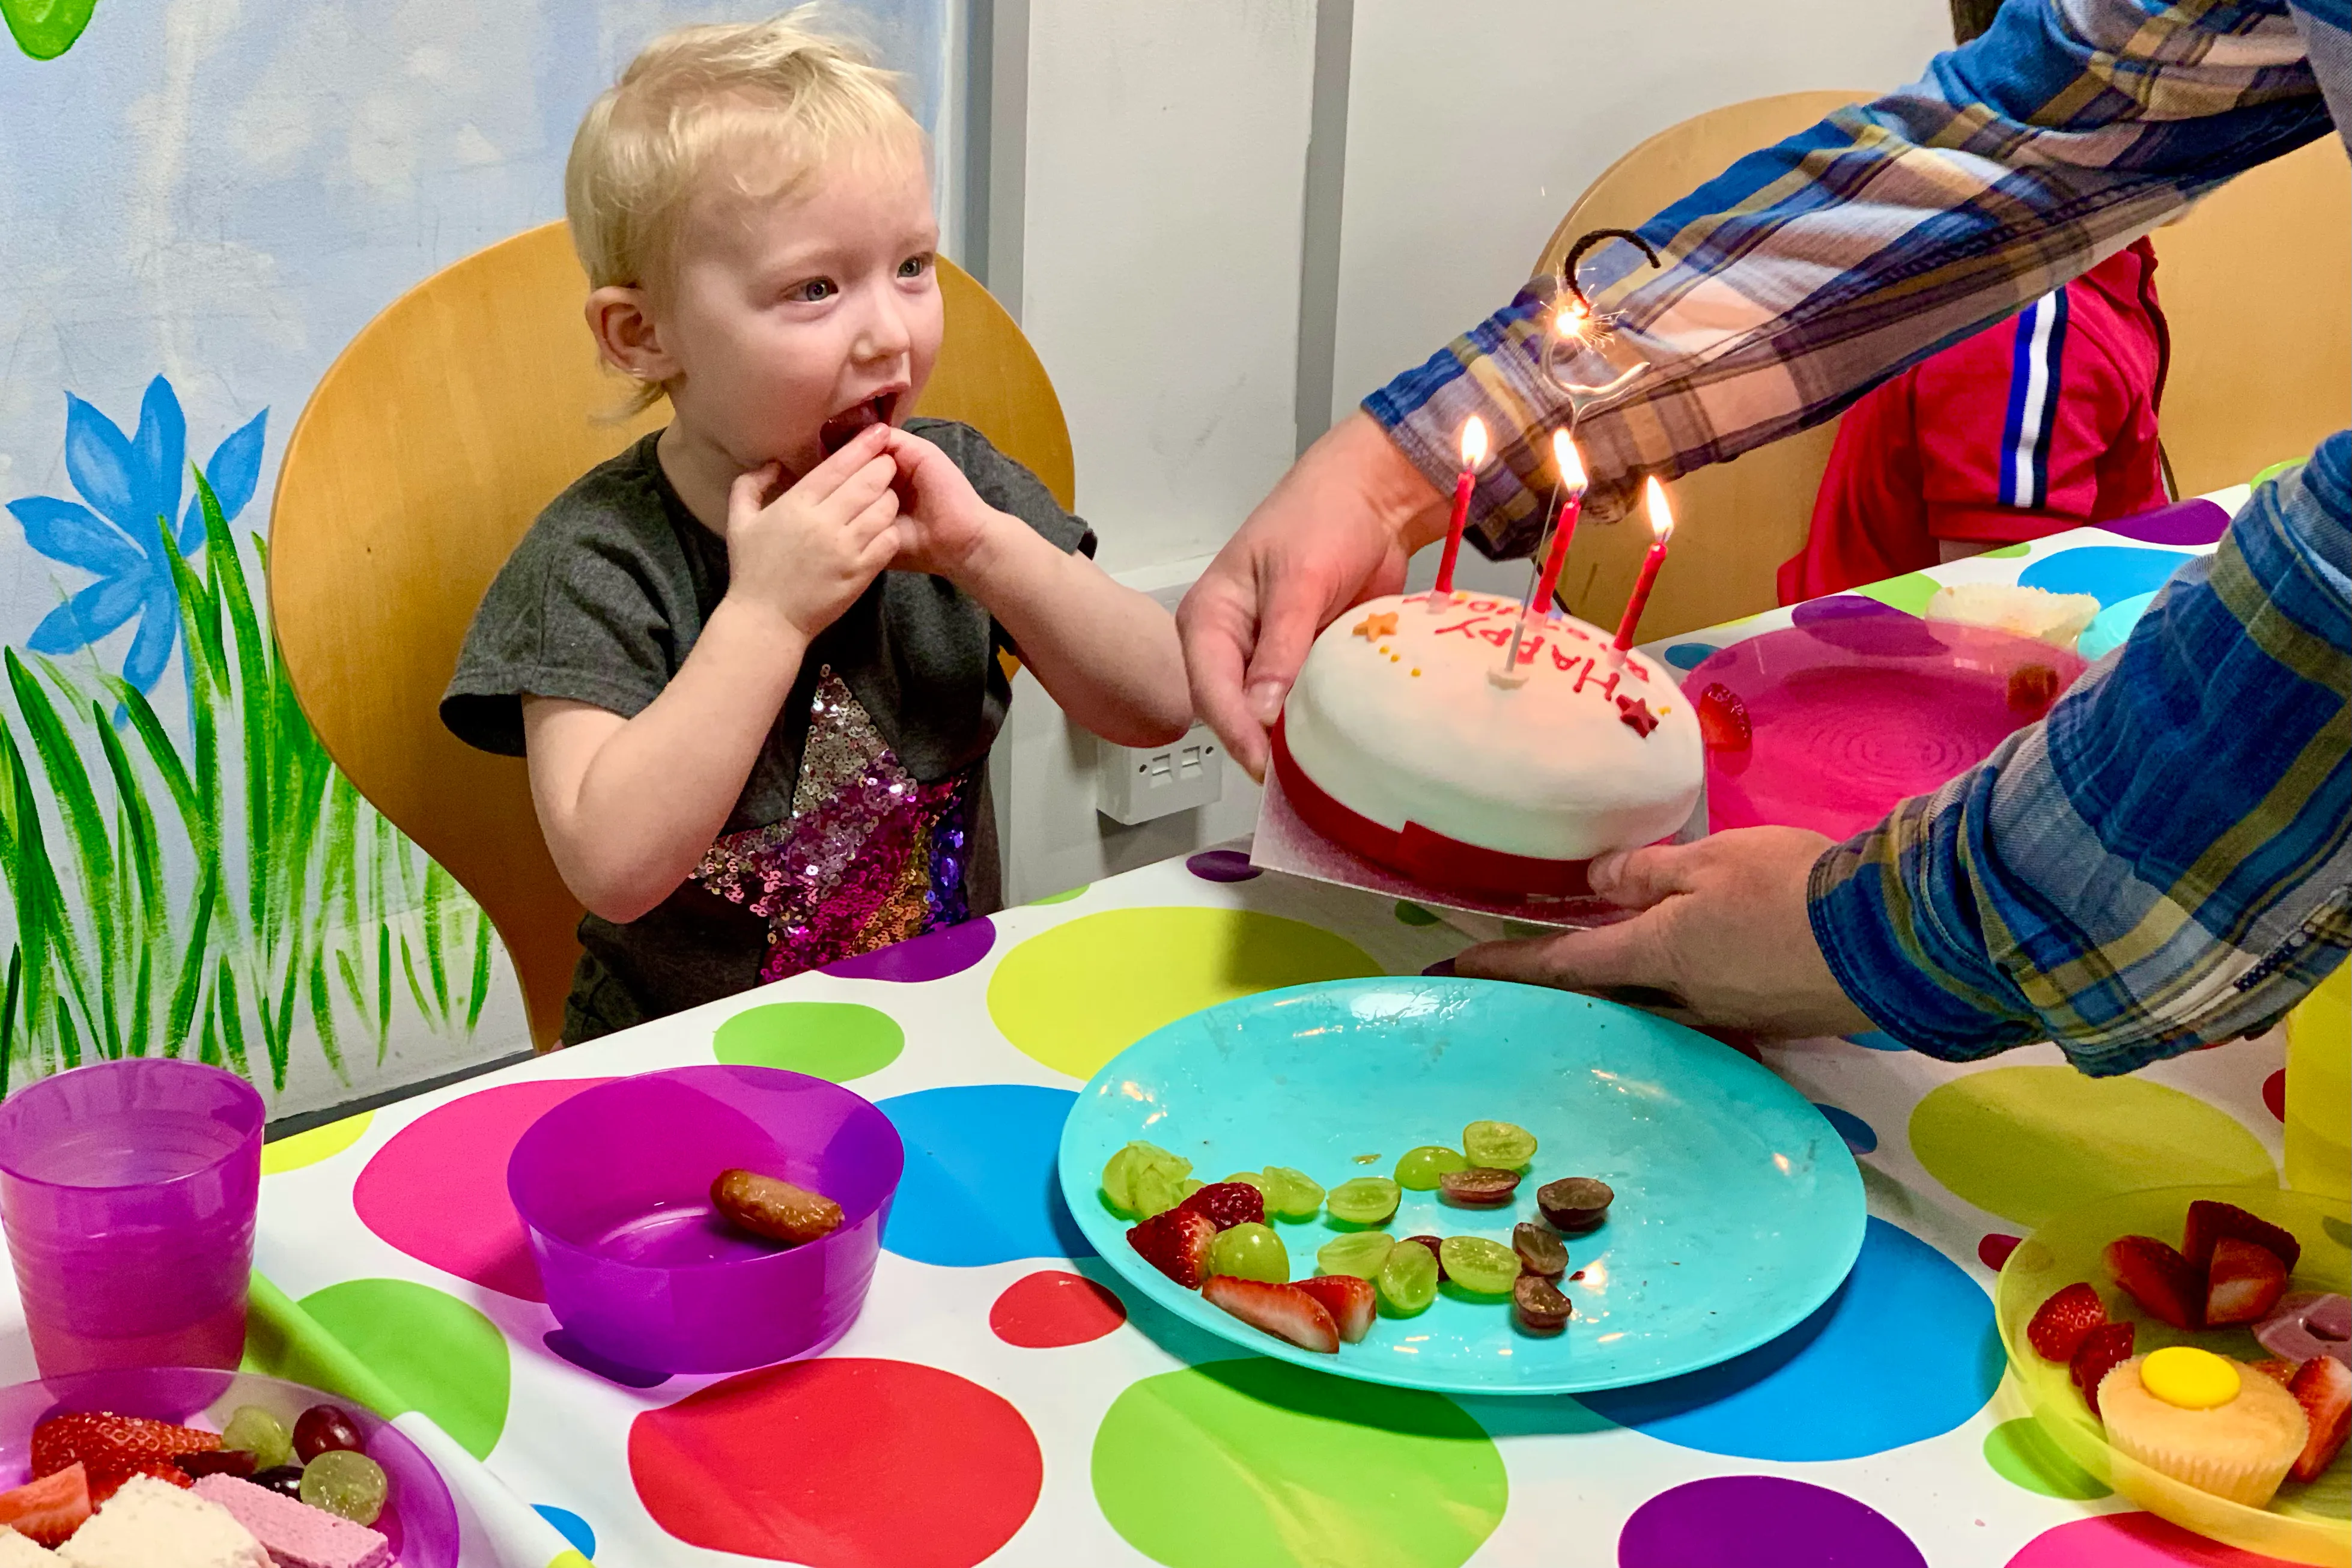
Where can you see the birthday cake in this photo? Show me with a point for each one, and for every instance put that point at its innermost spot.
(1406, 741)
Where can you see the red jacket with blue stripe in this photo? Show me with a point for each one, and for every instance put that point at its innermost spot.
(2043, 422)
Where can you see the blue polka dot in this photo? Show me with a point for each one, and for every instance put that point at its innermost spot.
(1851, 1128)
(2112, 572)
(1875, 1040)
(1690, 654)
(2112, 626)
(1904, 1351)
(570, 1526)
(979, 1185)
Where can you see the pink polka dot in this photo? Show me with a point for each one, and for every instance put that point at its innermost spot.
(437, 1191)
(1761, 1521)
(2131, 1540)
(840, 1462)
(1994, 1250)
(2274, 1094)
(1052, 1307)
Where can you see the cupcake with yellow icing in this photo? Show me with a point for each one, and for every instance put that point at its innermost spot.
(2205, 1420)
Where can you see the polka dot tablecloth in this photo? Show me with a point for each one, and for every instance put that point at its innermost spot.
(1004, 1399)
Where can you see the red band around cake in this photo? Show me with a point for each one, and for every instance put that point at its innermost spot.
(1431, 858)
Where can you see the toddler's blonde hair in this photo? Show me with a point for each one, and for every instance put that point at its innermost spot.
(782, 88)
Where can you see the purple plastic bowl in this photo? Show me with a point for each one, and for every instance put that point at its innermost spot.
(614, 1188)
(419, 1521)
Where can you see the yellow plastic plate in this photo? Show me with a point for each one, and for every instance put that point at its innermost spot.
(2304, 1523)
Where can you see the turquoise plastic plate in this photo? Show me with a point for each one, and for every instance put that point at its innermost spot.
(1738, 1208)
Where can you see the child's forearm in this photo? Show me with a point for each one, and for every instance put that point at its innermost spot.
(1108, 654)
(632, 806)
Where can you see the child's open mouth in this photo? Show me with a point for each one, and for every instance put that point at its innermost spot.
(843, 427)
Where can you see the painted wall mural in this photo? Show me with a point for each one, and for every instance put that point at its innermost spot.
(200, 202)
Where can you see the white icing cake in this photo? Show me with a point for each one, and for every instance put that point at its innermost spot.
(1397, 718)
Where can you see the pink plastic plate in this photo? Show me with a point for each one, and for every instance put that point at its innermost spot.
(420, 1520)
(1859, 706)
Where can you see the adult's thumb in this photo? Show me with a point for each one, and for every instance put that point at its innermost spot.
(1638, 879)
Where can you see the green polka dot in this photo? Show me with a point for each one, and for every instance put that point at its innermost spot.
(1065, 896)
(1910, 592)
(2030, 1143)
(1078, 994)
(833, 1040)
(435, 1351)
(1413, 914)
(2011, 552)
(1261, 1462)
(2275, 470)
(2021, 1453)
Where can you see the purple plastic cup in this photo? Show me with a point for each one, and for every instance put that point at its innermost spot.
(613, 1189)
(128, 1192)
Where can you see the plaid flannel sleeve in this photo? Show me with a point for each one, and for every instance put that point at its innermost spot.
(1809, 271)
(2167, 861)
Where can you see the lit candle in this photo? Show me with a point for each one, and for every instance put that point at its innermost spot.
(1571, 477)
(1662, 525)
(1473, 452)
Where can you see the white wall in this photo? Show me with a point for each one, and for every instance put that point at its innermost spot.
(1159, 274)
(1471, 127)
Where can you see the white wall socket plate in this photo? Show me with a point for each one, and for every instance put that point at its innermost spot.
(1141, 784)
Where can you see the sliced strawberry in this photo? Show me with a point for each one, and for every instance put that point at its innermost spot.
(2165, 1284)
(105, 1480)
(1286, 1311)
(2102, 1349)
(48, 1509)
(2323, 1385)
(2242, 1283)
(1352, 1302)
(2060, 1323)
(101, 1439)
(1228, 1203)
(1177, 1244)
(1723, 722)
(2277, 1369)
(2209, 1221)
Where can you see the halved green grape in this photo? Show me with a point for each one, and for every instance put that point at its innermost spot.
(1120, 1172)
(1505, 1145)
(1359, 1253)
(1407, 1281)
(260, 1434)
(1418, 1169)
(1292, 1195)
(1160, 1187)
(1249, 1179)
(1248, 1251)
(1478, 1264)
(345, 1483)
(1365, 1200)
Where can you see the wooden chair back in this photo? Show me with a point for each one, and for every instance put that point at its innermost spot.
(2256, 286)
(427, 448)
(1734, 521)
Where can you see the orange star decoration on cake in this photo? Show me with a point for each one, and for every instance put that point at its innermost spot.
(1374, 627)
(1634, 713)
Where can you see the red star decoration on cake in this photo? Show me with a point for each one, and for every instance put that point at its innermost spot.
(1372, 627)
(1634, 713)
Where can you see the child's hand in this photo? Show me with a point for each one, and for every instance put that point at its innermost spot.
(944, 522)
(806, 554)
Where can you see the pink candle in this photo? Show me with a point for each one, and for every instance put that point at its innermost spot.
(1662, 525)
(1473, 452)
(1571, 479)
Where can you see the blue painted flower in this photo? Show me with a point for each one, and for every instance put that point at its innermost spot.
(131, 489)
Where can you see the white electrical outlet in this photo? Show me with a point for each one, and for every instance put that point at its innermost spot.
(1140, 784)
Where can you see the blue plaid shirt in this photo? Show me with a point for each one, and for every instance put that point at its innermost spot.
(2167, 861)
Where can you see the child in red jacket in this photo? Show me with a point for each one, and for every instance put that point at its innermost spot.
(2043, 422)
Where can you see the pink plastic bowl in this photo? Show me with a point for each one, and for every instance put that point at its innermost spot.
(614, 1188)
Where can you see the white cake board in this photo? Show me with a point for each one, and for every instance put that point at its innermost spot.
(1284, 843)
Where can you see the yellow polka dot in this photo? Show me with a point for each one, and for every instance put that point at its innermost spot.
(318, 1143)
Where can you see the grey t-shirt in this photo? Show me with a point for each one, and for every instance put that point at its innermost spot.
(601, 603)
